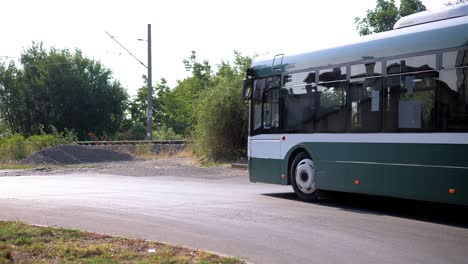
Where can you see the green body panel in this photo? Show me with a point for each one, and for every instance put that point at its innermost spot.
(402, 170)
(423, 183)
(401, 153)
(265, 170)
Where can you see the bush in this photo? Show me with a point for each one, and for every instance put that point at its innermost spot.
(37, 142)
(164, 133)
(136, 132)
(64, 137)
(13, 148)
(222, 126)
(16, 147)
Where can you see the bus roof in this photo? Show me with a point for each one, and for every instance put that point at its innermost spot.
(429, 16)
(444, 34)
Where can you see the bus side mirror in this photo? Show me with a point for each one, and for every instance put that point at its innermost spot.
(247, 89)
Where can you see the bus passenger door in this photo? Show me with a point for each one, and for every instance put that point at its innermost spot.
(265, 152)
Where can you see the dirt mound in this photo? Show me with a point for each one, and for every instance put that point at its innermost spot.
(75, 154)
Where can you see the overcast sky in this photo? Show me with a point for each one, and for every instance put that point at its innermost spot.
(214, 29)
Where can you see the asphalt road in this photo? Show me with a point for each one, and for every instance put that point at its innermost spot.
(262, 223)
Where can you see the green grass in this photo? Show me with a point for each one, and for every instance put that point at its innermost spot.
(14, 166)
(22, 243)
(212, 163)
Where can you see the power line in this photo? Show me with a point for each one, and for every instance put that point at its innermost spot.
(6, 57)
(131, 54)
(149, 116)
(116, 53)
(39, 64)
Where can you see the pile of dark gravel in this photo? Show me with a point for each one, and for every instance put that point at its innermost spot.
(75, 154)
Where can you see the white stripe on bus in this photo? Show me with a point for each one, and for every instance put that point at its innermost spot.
(271, 146)
(400, 164)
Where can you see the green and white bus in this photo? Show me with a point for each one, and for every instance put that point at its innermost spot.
(385, 115)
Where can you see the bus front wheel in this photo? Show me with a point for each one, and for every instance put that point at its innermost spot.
(303, 178)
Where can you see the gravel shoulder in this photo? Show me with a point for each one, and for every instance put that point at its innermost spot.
(173, 167)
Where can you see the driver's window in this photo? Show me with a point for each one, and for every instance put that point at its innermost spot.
(265, 104)
(259, 87)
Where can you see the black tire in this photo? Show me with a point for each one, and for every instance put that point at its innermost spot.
(302, 157)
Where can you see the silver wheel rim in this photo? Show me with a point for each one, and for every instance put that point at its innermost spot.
(305, 180)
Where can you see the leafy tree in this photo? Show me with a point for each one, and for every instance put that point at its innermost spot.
(408, 7)
(13, 111)
(385, 15)
(4, 130)
(62, 89)
(137, 108)
(200, 71)
(173, 109)
(136, 122)
(159, 107)
(180, 103)
(139, 104)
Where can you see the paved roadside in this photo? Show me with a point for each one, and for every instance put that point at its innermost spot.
(217, 209)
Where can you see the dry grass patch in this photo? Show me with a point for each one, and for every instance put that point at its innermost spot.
(22, 243)
(142, 151)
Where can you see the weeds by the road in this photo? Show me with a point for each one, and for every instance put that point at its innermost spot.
(16, 166)
(142, 151)
(17, 147)
(22, 243)
(211, 163)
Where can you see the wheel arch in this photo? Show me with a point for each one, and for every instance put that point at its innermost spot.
(292, 153)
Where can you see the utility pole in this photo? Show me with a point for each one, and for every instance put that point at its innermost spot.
(149, 110)
(149, 117)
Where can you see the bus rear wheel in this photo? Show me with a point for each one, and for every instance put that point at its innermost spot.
(302, 177)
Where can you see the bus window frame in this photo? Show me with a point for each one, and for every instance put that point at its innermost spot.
(343, 106)
(262, 129)
(349, 128)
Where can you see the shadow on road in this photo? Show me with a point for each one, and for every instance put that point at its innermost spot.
(454, 215)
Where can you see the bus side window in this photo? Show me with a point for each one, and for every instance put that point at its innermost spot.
(453, 99)
(364, 103)
(410, 102)
(331, 107)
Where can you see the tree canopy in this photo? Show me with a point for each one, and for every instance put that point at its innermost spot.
(385, 14)
(63, 89)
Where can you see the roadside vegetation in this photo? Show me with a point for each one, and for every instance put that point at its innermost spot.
(15, 166)
(41, 102)
(146, 152)
(16, 147)
(206, 107)
(22, 243)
